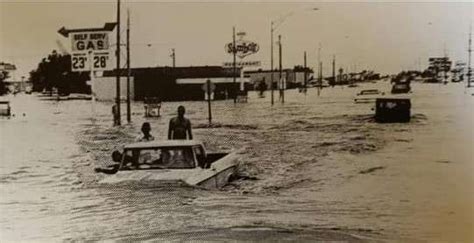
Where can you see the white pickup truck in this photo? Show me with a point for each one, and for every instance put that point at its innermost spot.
(171, 161)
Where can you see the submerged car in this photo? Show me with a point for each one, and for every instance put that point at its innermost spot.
(5, 109)
(388, 110)
(401, 88)
(171, 161)
(368, 95)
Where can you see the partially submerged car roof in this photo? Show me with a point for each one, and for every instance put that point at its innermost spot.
(163, 143)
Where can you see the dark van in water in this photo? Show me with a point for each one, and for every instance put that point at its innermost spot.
(5, 109)
(392, 110)
(401, 88)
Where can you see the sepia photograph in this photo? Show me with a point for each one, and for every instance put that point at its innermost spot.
(236, 121)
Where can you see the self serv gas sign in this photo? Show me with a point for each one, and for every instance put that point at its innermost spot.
(90, 51)
(85, 41)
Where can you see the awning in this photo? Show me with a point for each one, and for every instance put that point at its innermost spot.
(213, 80)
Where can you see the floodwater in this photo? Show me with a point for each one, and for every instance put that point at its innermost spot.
(317, 168)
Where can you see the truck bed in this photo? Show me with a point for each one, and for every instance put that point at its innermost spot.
(213, 157)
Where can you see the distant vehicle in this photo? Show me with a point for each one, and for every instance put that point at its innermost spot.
(392, 110)
(353, 85)
(401, 88)
(152, 106)
(77, 96)
(432, 80)
(368, 95)
(5, 109)
(178, 161)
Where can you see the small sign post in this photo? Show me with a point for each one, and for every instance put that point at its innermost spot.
(209, 88)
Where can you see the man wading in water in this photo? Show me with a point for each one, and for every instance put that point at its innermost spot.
(180, 126)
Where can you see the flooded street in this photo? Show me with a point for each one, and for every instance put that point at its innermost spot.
(319, 167)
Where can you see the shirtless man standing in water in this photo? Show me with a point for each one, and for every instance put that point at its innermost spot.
(180, 126)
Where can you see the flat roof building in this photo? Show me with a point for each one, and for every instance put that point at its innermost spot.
(182, 83)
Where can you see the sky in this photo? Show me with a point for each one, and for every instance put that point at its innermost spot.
(386, 37)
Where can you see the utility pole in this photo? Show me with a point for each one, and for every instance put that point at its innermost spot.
(129, 116)
(469, 59)
(271, 62)
(117, 98)
(321, 74)
(173, 56)
(305, 73)
(334, 70)
(92, 78)
(234, 52)
(319, 69)
(282, 83)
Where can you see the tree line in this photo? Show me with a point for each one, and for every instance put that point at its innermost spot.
(3, 75)
(54, 72)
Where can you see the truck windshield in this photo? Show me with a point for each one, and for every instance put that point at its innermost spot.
(159, 158)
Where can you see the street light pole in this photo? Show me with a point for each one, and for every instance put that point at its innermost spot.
(273, 27)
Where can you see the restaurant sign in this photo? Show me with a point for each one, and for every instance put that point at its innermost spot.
(242, 47)
(242, 64)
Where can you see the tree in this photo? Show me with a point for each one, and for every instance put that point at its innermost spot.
(3, 75)
(55, 72)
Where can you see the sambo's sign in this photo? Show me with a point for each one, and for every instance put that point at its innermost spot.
(242, 47)
(85, 41)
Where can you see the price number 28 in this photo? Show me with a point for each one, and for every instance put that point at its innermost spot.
(100, 62)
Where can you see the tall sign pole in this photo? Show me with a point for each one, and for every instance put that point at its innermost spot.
(234, 52)
(117, 121)
(89, 52)
(129, 116)
(240, 48)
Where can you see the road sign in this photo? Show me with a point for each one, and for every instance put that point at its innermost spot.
(107, 27)
(90, 50)
(80, 62)
(212, 87)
